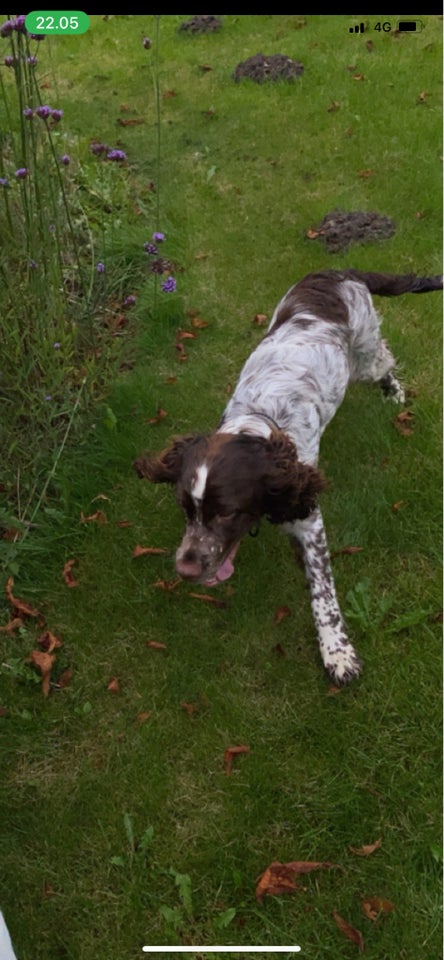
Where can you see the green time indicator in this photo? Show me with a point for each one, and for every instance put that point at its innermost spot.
(57, 21)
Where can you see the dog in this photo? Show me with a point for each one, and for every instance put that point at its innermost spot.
(262, 459)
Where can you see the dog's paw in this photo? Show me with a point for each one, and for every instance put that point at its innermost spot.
(343, 664)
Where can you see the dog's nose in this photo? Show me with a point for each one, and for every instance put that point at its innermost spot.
(188, 566)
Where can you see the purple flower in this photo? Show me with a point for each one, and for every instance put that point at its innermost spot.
(32, 61)
(129, 301)
(146, 43)
(28, 113)
(118, 155)
(21, 173)
(56, 345)
(10, 61)
(159, 237)
(98, 148)
(43, 111)
(33, 265)
(48, 396)
(19, 23)
(4, 182)
(150, 248)
(169, 285)
(100, 267)
(36, 36)
(65, 159)
(6, 28)
(56, 115)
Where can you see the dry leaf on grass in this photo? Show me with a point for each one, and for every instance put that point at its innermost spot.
(367, 849)
(279, 877)
(401, 420)
(19, 605)
(148, 551)
(114, 685)
(230, 753)
(44, 662)
(65, 678)
(349, 551)
(155, 645)
(160, 415)
(98, 517)
(208, 598)
(280, 614)
(144, 716)
(374, 907)
(49, 642)
(67, 574)
(350, 932)
(167, 585)
(13, 624)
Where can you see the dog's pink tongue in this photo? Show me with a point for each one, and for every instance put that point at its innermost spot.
(225, 570)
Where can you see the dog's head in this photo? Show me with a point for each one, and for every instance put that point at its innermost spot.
(225, 483)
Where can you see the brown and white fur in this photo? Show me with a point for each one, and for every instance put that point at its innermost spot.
(262, 459)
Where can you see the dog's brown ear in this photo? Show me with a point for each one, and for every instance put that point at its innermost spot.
(164, 467)
(291, 487)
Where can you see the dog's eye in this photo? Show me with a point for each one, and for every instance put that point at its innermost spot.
(225, 518)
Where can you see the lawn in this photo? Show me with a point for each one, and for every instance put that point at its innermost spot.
(120, 822)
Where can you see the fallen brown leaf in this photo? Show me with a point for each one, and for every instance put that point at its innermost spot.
(349, 550)
(154, 645)
(401, 420)
(314, 234)
(354, 935)
(190, 708)
(204, 67)
(182, 352)
(68, 576)
(167, 584)
(365, 174)
(333, 690)
(358, 76)
(367, 849)
(373, 907)
(201, 256)
(49, 642)
(13, 624)
(65, 678)
(333, 106)
(281, 613)
(148, 551)
(19, 605)
(160, 415)
(129, 123)
(399, 505)
(230, 753)
(114, 685)
(98, 517)
(144, 716)
(171, 380)
(167, 94)
(124, 523)
(279, 877)
(260, 319)
(44, 662)
(199, 324)
(208, 598)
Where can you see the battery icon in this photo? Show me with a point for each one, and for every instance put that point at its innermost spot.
(410, 26)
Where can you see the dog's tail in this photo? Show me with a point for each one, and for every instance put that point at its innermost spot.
(393, 285)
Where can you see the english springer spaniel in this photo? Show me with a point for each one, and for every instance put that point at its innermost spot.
(262, 459)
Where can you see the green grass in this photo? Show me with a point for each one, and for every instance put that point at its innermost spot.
(117, 833)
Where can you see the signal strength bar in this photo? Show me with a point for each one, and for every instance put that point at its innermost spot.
(358, 28)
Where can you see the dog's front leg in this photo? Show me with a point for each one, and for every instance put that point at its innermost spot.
(338, 655)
